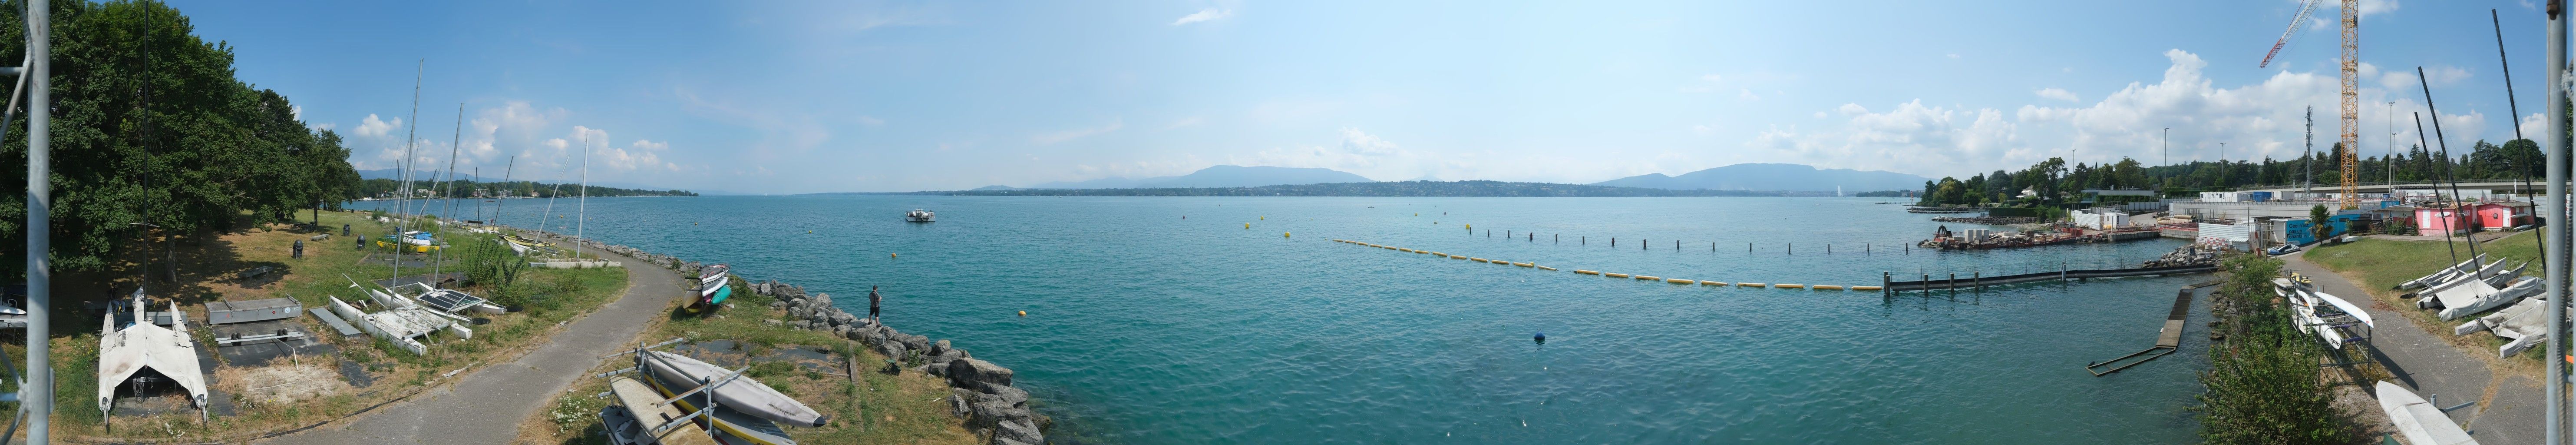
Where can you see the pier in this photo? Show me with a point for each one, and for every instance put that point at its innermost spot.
(2168, 339)
(1979, 280)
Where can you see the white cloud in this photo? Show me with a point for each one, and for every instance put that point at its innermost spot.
(2368, 7)
(1746, 94)
(1202, 16)
(373, 127)
(2058, 94)
(1078, 133)
(2258, 120)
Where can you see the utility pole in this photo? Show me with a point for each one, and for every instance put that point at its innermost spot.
(2307, 162)
(37, 395)
(2392, 149)
(2554, 247)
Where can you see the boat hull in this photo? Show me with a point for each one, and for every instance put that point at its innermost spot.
(744, 395)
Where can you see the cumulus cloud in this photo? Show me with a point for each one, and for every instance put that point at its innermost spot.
(374, 127)
(1202, 16)
(2259, 120)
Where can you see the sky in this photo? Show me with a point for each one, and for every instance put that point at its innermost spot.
(784, 97)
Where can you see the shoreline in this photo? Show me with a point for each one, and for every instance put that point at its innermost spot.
(981, 392)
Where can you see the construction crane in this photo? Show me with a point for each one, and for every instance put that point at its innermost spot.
(2295, 23)
(2352, 101)
(2351, 138)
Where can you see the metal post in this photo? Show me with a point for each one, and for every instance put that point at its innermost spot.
(37, 396)
(2555, 243)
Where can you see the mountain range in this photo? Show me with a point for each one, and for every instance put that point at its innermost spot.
(1216, 176)
(1776, 177)
(424, 175)
(1761, 177)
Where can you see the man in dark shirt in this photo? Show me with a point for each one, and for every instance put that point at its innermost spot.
(874, 299)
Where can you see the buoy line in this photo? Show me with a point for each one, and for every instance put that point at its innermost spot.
(1681, 281)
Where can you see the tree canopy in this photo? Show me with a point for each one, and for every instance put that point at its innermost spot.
(150, 126)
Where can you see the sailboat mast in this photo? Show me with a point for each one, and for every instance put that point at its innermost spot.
(410, 139)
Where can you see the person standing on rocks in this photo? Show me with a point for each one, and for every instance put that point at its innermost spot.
(874, 299)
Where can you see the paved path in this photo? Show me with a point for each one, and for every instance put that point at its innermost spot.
(2422, 362)
(486, 405)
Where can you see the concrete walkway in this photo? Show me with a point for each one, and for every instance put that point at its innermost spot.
(486, 405)
(2422, 362)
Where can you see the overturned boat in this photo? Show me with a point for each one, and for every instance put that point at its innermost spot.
(2470, 295)
(742, 394)
(142, 352)
(714, 286)
(2418, 420)
(2446, 274)
(2334, 321)
(2522, 323)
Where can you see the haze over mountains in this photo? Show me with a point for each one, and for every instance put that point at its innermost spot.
(1761, 177)
(1781, 177)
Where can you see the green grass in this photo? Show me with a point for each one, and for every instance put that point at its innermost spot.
(2383, 264)
(206, 273)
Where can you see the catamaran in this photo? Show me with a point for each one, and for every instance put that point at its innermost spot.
(126, 351)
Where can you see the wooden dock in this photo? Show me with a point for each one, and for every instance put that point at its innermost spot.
(2168, 339)
(1889, 285)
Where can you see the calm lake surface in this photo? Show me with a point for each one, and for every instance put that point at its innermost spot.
(1162, 320)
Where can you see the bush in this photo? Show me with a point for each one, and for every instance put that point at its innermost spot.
(2264, 384)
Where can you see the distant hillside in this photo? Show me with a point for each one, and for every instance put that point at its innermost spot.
(1406, 188)
(1791, 177)
(1219, 176)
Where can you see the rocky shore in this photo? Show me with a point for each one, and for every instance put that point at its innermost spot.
(2190, 255)
(981, 392)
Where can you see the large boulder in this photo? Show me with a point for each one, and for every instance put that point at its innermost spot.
(986, 415)
(960, 402)
(1018, 398)
(916, 342)
(966, 372)
(892, 350)
(1022, 431)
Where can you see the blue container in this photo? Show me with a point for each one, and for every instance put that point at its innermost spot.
(2258, 196)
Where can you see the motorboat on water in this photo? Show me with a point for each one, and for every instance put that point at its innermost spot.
(2417, 419)
(714, 285)
(919, 216)
(126, 352)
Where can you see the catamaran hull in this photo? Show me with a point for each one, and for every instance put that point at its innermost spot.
(744, 395)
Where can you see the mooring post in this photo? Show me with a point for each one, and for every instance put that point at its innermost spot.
(1793, 248)
(1954, 281)
(1977, 279)
(1886, 281)
(1927, 285)
(1829, 248)
(2061, 271)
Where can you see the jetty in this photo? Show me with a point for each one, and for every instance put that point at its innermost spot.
(2168, 339)
(1976, 280)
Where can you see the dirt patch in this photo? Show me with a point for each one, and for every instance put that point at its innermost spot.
(2363, 411)
(283, 383)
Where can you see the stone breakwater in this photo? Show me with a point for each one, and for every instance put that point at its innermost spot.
(2190, 255)
(980, 391)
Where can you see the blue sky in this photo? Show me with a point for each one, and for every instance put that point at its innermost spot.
(778, 97)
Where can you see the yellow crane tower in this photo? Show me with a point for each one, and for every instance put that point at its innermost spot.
(2351, 65)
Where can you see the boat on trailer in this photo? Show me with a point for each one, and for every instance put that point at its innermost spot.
(2333, 320)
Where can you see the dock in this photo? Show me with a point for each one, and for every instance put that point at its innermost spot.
(2168, 339)
(1974, 280)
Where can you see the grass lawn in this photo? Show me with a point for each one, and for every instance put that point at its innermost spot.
(207, 271)
(2380, 265)
(873, 408)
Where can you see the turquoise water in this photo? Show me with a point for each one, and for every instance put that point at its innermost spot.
(1148, 328)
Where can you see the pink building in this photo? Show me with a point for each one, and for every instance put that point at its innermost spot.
(2503, 215)
(2431, 218)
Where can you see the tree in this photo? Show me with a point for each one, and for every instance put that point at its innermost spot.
(2318, 220)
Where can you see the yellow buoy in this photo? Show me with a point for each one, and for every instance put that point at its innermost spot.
(1587, 272)
(1647, 278)
(1283, 234)
(1788, 286)
(1247, 225)
(1546, 268)
(1751, 285)
(1265, 218)
(1679, 281)
(890, 255)
(1471, 227)
(1614, 275)
(1864, 288)
(1711, 283)
(1024, 313)
(1825, 287)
